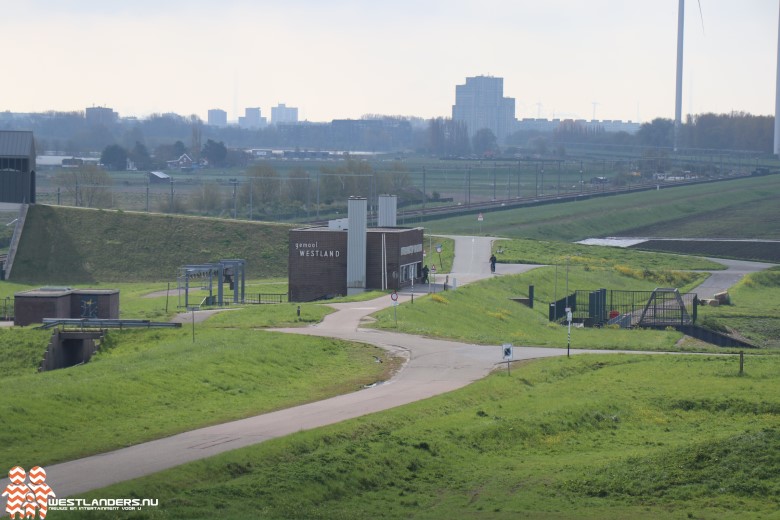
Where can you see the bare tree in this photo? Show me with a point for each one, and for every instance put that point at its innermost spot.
(88, 185)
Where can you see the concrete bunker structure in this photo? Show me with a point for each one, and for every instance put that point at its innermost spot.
(64, 302)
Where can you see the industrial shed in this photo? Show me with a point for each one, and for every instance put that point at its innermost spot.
(64, 302)
(17, 167)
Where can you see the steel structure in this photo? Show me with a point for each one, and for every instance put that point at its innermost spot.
(628, 309)
(232, 272)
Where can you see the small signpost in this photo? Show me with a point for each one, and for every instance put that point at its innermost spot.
(506, 350)
(480, 218)
(394, 297)
(568, 341)
(193, 309)
(433, 275)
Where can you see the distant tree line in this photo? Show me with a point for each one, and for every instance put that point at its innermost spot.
(151, 141)
(262, 193)
(724, 132)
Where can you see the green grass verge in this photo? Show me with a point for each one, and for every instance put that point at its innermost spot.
(442, 261)
(551, 253)
(591, 437)
(484, 313)
(744, 208)
(146, 384)
(754, 311)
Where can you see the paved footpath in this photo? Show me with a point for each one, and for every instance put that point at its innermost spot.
(432, 367)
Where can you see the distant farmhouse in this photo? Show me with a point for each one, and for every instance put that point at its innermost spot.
(17, 167)
(182, 163)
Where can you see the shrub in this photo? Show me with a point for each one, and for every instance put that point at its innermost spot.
(439, 299)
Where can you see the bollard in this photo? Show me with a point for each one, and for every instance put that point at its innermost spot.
(741, 361)
(299, 311)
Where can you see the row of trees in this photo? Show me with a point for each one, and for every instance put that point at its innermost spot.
(733, 131)
(148, 141)
(116, 157)
(262, 192)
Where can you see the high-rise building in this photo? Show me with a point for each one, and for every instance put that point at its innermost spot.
(284, 114)
(251, 118)
(217, 117)
(480, 103)
(100, 115)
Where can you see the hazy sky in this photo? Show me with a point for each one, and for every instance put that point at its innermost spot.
(346, 58)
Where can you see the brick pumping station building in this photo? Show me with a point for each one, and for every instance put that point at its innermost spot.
(347, 257)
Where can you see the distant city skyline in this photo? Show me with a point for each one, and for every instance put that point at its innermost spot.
(345, 59)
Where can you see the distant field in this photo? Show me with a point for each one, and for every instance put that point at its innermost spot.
(740, 208)
(757, 251)
(562, 253)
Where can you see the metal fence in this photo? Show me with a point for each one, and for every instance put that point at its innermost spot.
(627, 309)
(263, 298)
(304, 190)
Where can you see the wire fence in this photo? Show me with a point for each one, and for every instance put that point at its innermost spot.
(315, 191)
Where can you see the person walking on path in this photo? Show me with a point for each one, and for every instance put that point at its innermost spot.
(493, 263)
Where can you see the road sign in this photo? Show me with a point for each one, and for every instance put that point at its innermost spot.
(507, 351)
(433, 268)
(480, 218)
(394, 296)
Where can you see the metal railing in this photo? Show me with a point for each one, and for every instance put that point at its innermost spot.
(268, 298)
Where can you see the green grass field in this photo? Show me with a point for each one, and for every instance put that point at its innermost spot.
(67, 246)
(593, 437)
(607, 436)
(740, 208)
(542, 252)
(484, 313)
(754, 311)
(146, 384)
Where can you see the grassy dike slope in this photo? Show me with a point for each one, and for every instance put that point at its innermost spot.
(73, 245)
(146, 384)
(739, 208)
(591, 437)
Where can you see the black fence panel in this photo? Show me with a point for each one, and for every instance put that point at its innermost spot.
(661, 307)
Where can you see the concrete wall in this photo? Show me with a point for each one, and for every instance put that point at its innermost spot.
(67, 349)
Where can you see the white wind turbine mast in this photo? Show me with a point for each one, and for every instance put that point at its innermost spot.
(777, 95)
(678, 90)
(678, 96)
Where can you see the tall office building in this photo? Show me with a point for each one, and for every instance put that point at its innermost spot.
(251, 118)
(217, 117)
(284, 114)
(100, 115)
(480, 103)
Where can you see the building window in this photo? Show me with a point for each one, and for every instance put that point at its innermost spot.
(408, 272)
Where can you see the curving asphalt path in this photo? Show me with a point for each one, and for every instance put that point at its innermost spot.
(432, 367)
(720, 281)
